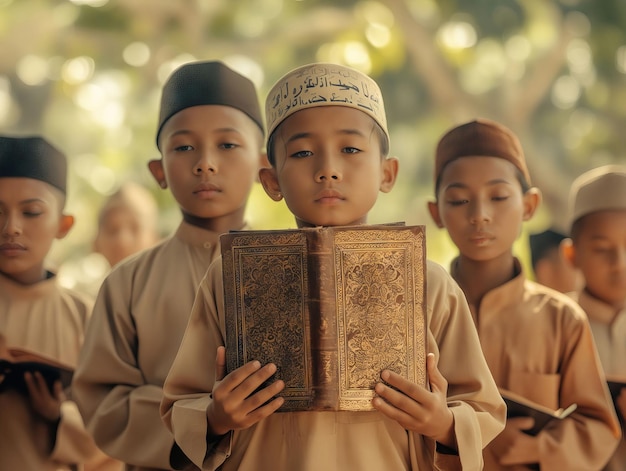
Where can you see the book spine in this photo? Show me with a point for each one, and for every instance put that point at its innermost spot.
(322, 319)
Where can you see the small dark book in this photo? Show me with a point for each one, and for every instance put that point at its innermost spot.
(519, 406)
(615, 387)
(26, 361)
(330, 306)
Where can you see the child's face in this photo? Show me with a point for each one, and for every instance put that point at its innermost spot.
(210, 160)
(600, 253)
(329, 166)
(481, 204)
(123, 232)
(30, 219)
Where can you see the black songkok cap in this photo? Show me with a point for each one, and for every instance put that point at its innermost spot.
(33, 157)
(208, 83)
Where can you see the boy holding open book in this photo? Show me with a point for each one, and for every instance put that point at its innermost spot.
(537, 342)
(40, 428)
(328, 145)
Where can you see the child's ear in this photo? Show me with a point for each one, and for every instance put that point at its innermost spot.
(532, 199)
(433, 209)
(65, 224)
(263, 163)
(269, 180)
(156, 169)
(390, 173)
(568, 251)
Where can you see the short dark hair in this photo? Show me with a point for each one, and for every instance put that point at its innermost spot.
(382, 137)
(544, 245)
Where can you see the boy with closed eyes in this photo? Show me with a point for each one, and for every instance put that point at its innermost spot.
(536, 341)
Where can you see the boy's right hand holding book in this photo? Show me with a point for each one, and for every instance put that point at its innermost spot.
(235, 404)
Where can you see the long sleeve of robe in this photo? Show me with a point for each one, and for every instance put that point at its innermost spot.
(138, 320)
(335, 440)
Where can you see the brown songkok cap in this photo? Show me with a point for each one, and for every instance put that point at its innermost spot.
(323, 84)
(208, 83)
(480, 138)
(600, 189)
(33, 157)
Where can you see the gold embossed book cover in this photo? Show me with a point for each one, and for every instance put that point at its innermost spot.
(330, 306)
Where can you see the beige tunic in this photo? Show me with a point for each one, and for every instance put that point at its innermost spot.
(335, 441)
(138, 321)
(50, 320)
(538, 343)
(609, 332)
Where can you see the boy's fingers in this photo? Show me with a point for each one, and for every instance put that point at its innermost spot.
(259, 398)
(252, 382)
(233, 379)
(407, 388)
(437, 381)
(220, 364)
(244, 380)
(262, 412)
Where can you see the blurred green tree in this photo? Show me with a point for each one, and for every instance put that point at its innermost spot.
(87, 74)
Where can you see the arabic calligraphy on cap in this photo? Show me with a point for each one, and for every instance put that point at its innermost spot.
(324, 85)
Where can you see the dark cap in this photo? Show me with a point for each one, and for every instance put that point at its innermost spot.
(480, 138)
(208, 83)
(33, 157)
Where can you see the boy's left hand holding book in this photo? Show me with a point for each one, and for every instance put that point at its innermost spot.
(416, 408)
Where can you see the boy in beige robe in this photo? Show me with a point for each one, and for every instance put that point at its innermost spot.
(210, 136)
(598, 248)
(536, 341)
(328, 147)
(41, 430)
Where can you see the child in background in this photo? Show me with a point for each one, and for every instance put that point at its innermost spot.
(598, 248)
(328, 145)
(127, 223)
(210, 136)
(537, 342)
(549, 264)
(43, 430)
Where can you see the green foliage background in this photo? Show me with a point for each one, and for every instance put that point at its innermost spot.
(87, 74)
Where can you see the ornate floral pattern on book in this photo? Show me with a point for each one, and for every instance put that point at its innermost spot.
(330, 306)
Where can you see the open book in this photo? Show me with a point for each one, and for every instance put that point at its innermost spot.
(21, 360)
(330, 306)
(519, 406)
